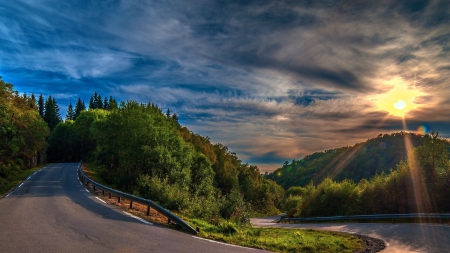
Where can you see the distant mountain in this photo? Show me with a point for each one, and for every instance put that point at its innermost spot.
(363, 160)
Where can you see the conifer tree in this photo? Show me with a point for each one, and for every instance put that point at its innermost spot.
(96, 102)
(41, 106)
(51, 113)
(70, 115)
(32, 101)
(105, 104)
(112, 103)
(79, 107)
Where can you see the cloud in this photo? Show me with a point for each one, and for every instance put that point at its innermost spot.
(270, 79)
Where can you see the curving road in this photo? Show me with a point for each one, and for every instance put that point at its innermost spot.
(52, 212)
(399, 238)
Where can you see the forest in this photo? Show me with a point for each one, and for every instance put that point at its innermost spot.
(361, 161)
(420, 183)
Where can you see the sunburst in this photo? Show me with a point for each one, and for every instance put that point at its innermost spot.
(400, 100)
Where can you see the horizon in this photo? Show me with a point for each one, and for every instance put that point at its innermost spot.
(274, 81)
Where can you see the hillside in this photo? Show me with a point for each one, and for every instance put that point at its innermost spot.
(363, 160)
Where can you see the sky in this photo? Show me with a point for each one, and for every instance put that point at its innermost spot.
(272, 80)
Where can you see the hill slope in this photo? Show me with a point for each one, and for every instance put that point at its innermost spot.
(363, 160)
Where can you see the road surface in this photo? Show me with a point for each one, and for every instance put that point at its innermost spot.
(52, 212)
(432, 238)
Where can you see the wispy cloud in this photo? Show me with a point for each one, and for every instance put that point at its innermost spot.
(271, 79)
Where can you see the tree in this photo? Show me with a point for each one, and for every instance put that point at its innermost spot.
(105, 104)
(112, 103)
(79, 107)
(70, 115)
(41, 106)
(432, 154)
(95, 102)
(22, 132)
(51, 113)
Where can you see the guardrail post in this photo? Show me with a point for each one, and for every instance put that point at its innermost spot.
(148, 210)
(168, 221)
(109, 195)
(118, 199)
(94, 186)
(103, 192)
(131, 204)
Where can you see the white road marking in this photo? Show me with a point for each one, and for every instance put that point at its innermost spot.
(34, 172)
(137, 218)
(100, 199)
(8, 195)
(28, 178)
(222, 243)
(20, 185)
(81, 183)
(86, 189)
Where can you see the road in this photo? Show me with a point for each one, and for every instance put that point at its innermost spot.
(52, 212)
(432, 238)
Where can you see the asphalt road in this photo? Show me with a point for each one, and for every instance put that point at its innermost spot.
(398, 237)
(52, 212)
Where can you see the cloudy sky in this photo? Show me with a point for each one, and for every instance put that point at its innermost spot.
(272, 80)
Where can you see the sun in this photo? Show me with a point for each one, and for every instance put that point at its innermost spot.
(400, 100)
(400, 105)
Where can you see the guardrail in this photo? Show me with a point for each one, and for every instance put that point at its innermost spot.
(368, 217)
(132, 198)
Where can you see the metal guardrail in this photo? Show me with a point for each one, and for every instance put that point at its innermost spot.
(392, 217)
(132, 198)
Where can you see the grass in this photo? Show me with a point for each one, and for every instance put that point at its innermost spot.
(14, 180)
(278, 239)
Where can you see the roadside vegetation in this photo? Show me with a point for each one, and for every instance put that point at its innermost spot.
(22, 136)
(277, 239)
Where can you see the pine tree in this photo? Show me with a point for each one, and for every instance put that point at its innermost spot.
(112, 103)
(79, 107)
(32, 102)
(91, 102)
(70, 115)
(105, 104)
(41, 106)
(98, 102)
(51, 113)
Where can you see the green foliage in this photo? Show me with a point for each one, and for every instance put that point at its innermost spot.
(363, 160)
(22, 133)
(143, 150)
(408, 188)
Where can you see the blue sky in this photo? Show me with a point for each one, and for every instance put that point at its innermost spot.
(272, 80)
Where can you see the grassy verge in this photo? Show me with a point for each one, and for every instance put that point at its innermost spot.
(277, 239)
(14, 180)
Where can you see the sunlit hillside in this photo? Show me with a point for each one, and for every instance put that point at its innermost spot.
(363, 160)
